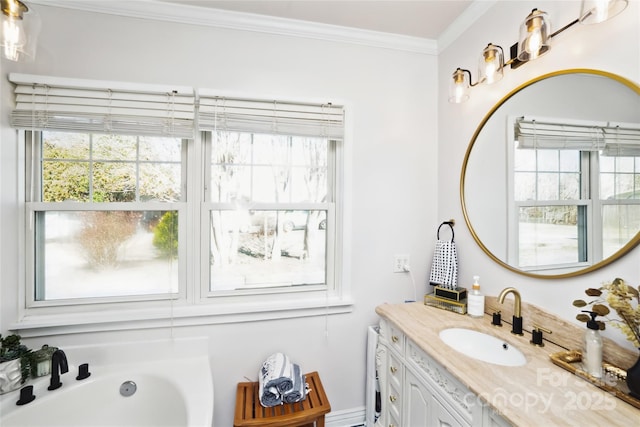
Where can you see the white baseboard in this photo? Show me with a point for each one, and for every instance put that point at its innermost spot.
(345, 418)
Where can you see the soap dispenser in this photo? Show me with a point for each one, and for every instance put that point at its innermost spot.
(475, 299)
(592, 351)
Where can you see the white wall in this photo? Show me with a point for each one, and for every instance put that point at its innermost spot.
(392, 170)
(613, 46)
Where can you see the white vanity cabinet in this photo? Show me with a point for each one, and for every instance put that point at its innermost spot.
(417, 392)
(390, 374)
(420, 406)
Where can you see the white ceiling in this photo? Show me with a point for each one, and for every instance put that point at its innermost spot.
(417, 18)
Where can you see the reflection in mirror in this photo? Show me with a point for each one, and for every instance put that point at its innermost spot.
(551, 180)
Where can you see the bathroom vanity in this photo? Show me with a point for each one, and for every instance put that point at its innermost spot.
(423, 381)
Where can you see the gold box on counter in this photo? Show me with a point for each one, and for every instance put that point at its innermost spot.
(457, 294)
(433, 300)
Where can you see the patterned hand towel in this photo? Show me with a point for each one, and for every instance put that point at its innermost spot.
(275, 378)
(298, 392)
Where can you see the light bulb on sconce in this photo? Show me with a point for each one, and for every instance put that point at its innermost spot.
(14, 37)
(491, 64)
(459, 86)
(534, 41)
(597, 11)
(534, 36)
(490, 70)
(18, 30)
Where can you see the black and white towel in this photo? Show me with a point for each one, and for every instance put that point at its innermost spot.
(444, 267)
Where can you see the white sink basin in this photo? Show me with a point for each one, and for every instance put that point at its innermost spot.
(481, 346)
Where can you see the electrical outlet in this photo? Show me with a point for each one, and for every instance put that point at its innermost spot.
(400, 263)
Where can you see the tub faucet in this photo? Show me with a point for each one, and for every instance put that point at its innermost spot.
(517, 311)
(59, 366)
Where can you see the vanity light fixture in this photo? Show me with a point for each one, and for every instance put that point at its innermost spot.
(597, 11)
(459, 86)
(490, 69)
(491, 64)
(19, 30)
(534, 41)
(534, 36)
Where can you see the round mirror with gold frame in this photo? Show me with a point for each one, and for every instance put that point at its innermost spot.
(550, 183)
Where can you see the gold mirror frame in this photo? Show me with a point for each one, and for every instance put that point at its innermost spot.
(620, 253)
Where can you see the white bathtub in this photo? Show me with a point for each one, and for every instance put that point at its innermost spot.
(173, 388)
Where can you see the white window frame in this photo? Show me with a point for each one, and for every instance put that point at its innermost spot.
(590, 196)
(331, 288)
(33, 150)
(193, 304)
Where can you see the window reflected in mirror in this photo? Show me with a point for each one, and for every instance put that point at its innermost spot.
(549, 178)
(576, 195)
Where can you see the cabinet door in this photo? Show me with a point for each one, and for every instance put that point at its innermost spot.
(493, 419)
(390, 382)
(443, 418)
(383, 381)
(455, 397)
(419, 402)
(394, 401)
(391, 422)
(394, 370)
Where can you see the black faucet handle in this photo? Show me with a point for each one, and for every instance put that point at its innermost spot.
(536, 335)
(497, 319)
(517, 325)
(83, 372)
(26, 395)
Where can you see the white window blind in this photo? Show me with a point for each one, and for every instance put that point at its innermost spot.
(273, 117)
(534, 133)
(102, 107)
(622, 139)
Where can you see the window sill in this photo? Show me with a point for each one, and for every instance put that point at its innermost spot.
(169, 317)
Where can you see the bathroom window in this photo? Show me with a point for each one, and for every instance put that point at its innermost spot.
(269, 208)
(110, 214)
(106, 211)
(271, 196)
(140, 206)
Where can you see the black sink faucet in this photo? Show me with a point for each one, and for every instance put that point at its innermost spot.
(59, 366)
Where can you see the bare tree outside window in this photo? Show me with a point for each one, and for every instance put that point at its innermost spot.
(270, 236)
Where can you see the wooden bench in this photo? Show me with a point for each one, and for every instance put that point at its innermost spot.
(309, 412)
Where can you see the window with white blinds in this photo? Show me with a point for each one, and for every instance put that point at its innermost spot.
(137, 194)
(622, 139)
(541, 133)
(272, 203)
(76, 105)
(615, 139)
(575, 184)
(269, 116)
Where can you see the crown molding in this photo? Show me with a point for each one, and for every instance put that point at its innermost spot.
(462, 23)
(194, 15)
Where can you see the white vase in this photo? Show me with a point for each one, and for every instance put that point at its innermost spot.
(10, 376)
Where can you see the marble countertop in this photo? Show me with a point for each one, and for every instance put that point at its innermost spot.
(538, 393)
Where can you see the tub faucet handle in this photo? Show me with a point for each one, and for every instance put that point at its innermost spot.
(83, 372)
(26, 395)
